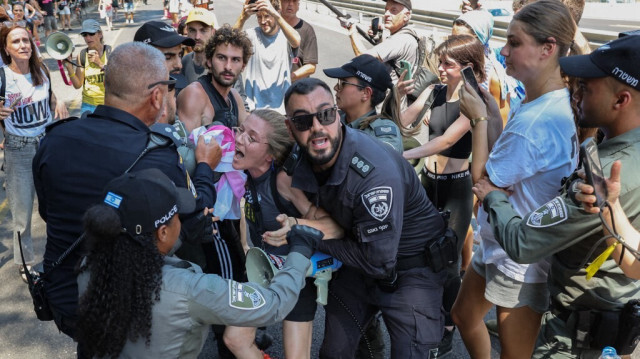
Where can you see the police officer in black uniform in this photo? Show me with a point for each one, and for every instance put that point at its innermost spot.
(389, 223)
(77, 158)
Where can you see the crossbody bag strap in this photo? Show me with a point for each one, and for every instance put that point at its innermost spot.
(153, 143)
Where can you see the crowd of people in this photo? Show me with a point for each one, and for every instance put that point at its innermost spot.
(384, 174)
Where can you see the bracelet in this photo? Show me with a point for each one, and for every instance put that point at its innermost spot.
(475, 121)
(72, 74)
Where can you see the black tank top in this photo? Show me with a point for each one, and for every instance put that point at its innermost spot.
(225, 115)
(261, 214)
(443, 115)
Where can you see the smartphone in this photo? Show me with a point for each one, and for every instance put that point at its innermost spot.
(405, 65)
(470, 78)
(252, 2)
(473, 4)
(593, 170)
(375, 25)
(15, 102)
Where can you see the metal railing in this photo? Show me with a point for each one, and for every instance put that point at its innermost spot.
(444, 19)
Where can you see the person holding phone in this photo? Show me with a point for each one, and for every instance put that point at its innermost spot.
(28, 107)
(608, 98)
(267, 74)
(536, 150)
(446, 176)
(629, 263)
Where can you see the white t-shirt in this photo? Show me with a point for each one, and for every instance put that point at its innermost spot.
(32, 113)
(538, 147)
(267, 75)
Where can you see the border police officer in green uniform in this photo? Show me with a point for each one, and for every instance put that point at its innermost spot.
(586, 315)
(362, 83)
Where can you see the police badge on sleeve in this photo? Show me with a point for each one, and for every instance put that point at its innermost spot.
(244, 296)
(378, 202)
(550, 214)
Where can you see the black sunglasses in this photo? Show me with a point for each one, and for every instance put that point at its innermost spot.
(305, 122)
(171, 83)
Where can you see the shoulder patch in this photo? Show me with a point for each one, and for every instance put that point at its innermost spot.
(361, 165)
(244, 296)
(386, 130)
(378, 201)
(551, 213)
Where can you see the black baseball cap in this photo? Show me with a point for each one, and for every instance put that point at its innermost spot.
(147, 199)
(405, 3)
(365, 67)
(618, 59)
(160, 34)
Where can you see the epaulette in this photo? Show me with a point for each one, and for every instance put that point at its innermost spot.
(55, 124)
(361, 165)
(385, 130)
(167, 131)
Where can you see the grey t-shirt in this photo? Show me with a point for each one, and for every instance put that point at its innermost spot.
(399, 46)
(190, 70)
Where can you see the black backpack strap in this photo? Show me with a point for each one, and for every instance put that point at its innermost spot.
(3, 86)
(275, 194)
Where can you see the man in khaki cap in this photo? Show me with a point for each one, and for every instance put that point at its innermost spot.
(200, 27)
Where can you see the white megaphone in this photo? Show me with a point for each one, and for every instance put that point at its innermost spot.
(59, 46)
(262, 267)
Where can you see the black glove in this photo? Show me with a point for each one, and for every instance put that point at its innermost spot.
(304, 239)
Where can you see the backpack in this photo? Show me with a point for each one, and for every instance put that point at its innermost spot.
(83, 54)
(426, 68)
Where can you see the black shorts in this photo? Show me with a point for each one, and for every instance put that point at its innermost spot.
(305, 309)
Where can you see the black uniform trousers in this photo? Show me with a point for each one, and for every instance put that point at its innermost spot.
(412, 313)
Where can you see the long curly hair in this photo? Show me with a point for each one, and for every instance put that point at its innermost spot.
(125, 279)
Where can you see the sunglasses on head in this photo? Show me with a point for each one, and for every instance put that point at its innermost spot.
(305, 122)
(171, 83)
(20, 23)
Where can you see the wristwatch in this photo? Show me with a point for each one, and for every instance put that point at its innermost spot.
(475, 121)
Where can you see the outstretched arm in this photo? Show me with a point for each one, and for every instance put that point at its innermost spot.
(628, 263)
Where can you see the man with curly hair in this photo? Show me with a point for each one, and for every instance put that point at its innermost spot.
(212, 99)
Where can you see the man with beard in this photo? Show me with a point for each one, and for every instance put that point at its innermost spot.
(268, 73)
(306, 55)
(166, 39)
(212, 99)
(391, 228)
(75, 161)
(586, 313)
(200, 27)
(401, 45)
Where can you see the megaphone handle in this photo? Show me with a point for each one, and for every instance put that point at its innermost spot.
(322, 286)
(64, 75)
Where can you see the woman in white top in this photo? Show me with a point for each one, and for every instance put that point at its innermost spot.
(537, 148)
(25, 111)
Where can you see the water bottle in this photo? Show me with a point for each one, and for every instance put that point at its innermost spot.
(609, 353)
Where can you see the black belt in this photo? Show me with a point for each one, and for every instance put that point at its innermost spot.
(415, 261)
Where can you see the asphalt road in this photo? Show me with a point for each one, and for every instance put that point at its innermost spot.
(21, 334)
